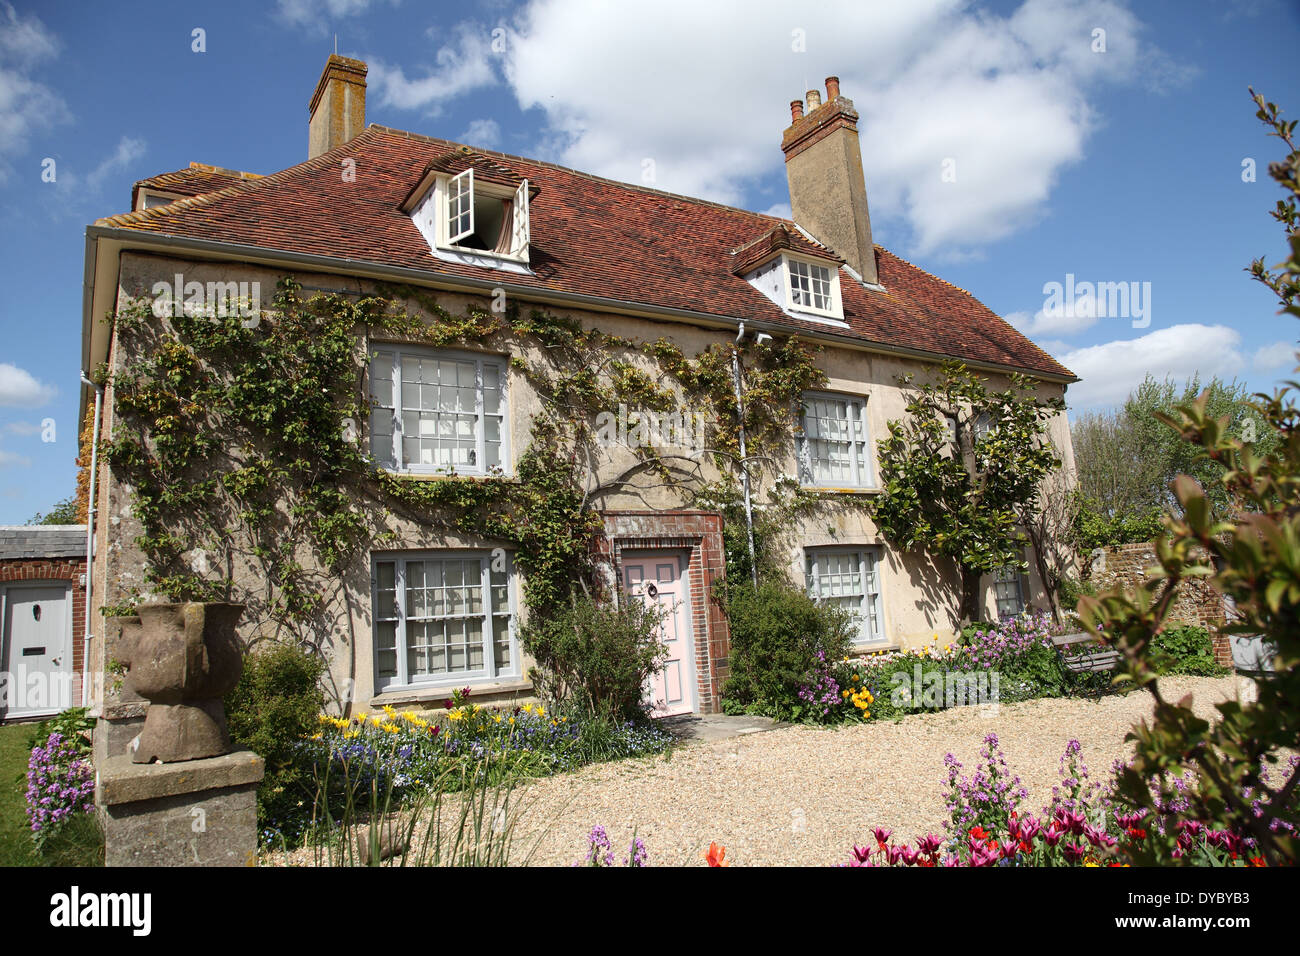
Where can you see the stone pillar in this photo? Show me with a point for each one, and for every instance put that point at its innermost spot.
(195, 813)
(168, 789)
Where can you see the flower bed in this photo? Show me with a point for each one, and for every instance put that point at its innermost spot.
(1084, 824)
(1012, 661)
(386, 757)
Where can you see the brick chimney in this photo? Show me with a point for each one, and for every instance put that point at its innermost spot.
(828, 190)
(338, 107)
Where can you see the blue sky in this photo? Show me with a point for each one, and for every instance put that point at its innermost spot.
(1007, 146)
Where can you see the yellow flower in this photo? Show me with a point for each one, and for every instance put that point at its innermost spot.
(360, 718)
(512, 720)
(389, 727)
(390, 710)
(497, 718)
(325, 718)
(540, 711)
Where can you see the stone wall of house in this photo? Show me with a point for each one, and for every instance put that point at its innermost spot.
(1197, 603)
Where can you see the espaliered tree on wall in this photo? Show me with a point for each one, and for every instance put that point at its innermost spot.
(962, 500)
(240, 446)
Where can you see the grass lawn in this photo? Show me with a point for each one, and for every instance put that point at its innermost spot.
(80, 845)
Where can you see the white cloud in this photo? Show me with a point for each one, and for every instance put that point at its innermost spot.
(485, 133)
(9, 459)
(1113, 369)
(315, 14)
(702, 89)
(27, 106)
(781, 209)
(74, 189)
(22, 428)
(18, 387)
(463, 64)
(1275, 355)
(1060, 322)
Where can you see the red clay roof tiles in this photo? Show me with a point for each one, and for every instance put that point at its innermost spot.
(590, 236)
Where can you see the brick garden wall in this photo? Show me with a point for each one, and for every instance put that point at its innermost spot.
(58, 569)
(1197, 603)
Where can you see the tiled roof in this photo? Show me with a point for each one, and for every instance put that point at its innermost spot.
(42, 541)
(589, 236)
(199, 178)
(779, 238)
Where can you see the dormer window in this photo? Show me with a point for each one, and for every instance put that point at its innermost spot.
(470, 209)
(486, 217)
(812, 287)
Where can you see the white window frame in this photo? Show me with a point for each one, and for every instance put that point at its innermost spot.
(1004, 577)
(460, 205)
(864, 471)
(834, 309)
(489, 671)
(450, 191)
(397, 352)
(871, 624)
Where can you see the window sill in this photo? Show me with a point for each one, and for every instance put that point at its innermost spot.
(485, 260)
(831, 490)
(865, 650)
(442, 475)
(822, 318)
(424, 693)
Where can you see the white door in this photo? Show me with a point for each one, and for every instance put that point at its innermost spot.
(37, 650)
(659, 580)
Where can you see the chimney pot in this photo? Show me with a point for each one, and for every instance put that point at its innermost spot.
(832, 87)
(814, 100)
(796, 110)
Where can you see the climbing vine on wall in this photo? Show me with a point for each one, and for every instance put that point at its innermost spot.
(239, 441)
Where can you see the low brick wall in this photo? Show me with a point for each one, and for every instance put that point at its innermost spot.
(1197, 603)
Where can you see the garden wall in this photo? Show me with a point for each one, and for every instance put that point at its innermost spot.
(1198, 603)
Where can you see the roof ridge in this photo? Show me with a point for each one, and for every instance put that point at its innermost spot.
(234, 189)
(546, 164)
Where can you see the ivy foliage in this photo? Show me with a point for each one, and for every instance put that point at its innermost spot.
(239, 440)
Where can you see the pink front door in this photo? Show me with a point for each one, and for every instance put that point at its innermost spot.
(659, 580)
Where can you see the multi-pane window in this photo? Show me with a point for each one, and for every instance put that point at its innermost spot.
(833, 443)
(1008, 592)
(851, 580)
(443, 616)
(436, 411)
(810, 286)
(460, 206)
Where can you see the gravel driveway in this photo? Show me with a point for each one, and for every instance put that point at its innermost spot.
(803, 795)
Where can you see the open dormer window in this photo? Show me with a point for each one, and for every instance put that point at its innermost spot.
(472, 209)
(812, 287)
(486, 217)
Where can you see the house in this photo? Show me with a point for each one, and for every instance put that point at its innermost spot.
(423, 608)
(43, 609)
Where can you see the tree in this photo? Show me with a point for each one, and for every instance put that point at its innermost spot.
(1052, 525)
(1127, 457)
(65, 512)
(1251, 554)
(964, 500)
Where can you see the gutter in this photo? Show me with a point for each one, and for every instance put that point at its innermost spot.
(134, 238)
(86, 635)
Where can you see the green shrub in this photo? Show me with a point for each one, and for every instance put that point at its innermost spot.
(278, 702)
(969, 630)
(595, 657)
(1071, 590)
(1185, 649)
(777, 632)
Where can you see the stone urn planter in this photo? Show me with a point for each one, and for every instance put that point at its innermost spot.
(183, 659)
